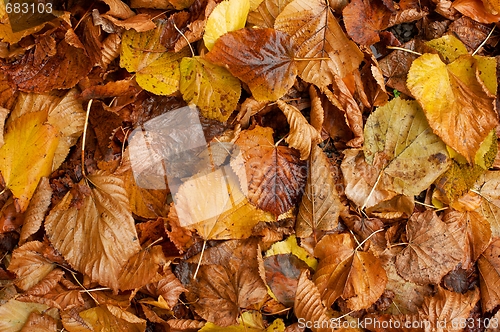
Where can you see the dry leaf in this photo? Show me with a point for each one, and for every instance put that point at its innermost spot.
(265, 14)
(365, 19)
(141, 268)
(475, 9)
(14, 314)
(489, 189)
(489, 275)
(432, 250)
(38, 322)
(99, 237)
(104, 316)
(38, 207)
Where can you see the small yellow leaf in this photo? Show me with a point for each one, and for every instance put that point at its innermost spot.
(27, 155)
(250, 321)
(212, 88)
(229, 15)
(109, 318)
(156, 70)
(449, 47)
(290, 246)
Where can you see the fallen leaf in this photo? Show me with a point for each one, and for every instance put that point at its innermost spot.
(365, 19)
(27, 155)
(104, 211)
(489, 190)
(274, 175)
(432, 250)
(156, 70)
(302, 136)
(343, 271)
(37, 208)
(227, 16)
(454, 101)
(317, 35)
(449, 47)
(489, 275)
(119, 9)
(320, 205)
(168, 287)
(39, 322)
(14, 314)
(290, 246)
(262, 58)
(250, 321)
(212, 88)
(104, 316)
(476, 10)
(265, 14)
(141, 268)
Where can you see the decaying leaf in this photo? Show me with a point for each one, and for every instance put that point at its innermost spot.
(262, 58)
(99, 237)
(457, 105)
(343, 271)
(274, 175)
(317, 35)
(27, 155)
(320, 205)
(432, 250)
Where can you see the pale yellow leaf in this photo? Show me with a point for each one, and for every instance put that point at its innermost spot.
(38, 207)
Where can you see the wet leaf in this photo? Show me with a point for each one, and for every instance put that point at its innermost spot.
(212, 88)
(454, 100)
(104, 211)
(262, 58)
(27, 155)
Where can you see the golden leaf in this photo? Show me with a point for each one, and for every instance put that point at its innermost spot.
(108, 317)
(290, 246)
(14, 314)
(98, 238)
(317, 34)
(27, 155)
(250, 321)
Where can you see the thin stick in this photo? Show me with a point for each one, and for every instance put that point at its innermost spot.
(371, 191)
(199, 262)
(359, 246)
(84, 136)
(185, 38)
(403, 49)
(309, 59)
(484, 41)
(84, 289)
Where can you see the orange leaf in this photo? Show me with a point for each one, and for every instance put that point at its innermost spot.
(141, 268)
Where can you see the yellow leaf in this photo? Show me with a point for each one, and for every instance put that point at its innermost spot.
(459, 108)
(302, 135)
(160, 303)
(27, 155)
(212, 88)
(14, 314)
(109, 318)
(449, 47)
(250, 321)
(229, 15)
(3, 115)
(156, 71)
(290, 246)
(99, 237)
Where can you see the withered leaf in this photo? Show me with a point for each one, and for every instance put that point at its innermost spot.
(106, 315)
(262, 58)
(38, 207)
(99, 237)
(141, 268)
(364, 19)
(267, 11)
(14, 314)
(274, 175)
(489, 189)
(489, 275)
(432, 250)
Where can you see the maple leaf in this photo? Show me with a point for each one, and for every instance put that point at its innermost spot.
(110, 237)
(432, 250)
(317, 34)
(27, 155)
(273, 174)
(343, 271)
(458, 107)
(262, 58)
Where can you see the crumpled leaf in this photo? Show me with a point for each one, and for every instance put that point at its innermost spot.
(227, 16)
(317, 34)
(250, 321)
(106, 317)
(402, 156)
(262, 58)
(156, 70)
(14, 314)
(457, 105)
(78, 233)
(27, 155)
(343, 271)
(230, 282)
(30, 265)
(274, 175)
(489, 275)
(432, 250)
(168, 287)
(212, 88)
(320, 206)
(302, 135)
(65, 112)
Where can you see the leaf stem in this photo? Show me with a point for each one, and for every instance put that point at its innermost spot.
(309, 59)
(403, 49)
(484, 41)
(185, 38)
(377, 231)
(84, 136)
(201, 257)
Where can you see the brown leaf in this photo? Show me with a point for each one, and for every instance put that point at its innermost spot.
(63, 70)
(104, 211)
(119, 9)
(274, 174)
(317, 111)
(432, 250)
(141, 268)
(265, 15)
(364, 19)
(38, 322)
(302, 135)
(357, 277)
(489, 275)
(103, 316)
(230, 284)
(320, 205)
(262, 58)
(472, 232)
(169, 287)
(37, 208)
(489, 189)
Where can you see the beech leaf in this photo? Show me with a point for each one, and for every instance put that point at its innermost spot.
(262, 58)
(99, 237)
(14, 314)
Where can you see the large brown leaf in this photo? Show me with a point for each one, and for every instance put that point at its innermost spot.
(262, 58)
(317, 34)
(365, 19)
(343, 271)
(432, 250)
(274, 175)
(98, 238)
(320, 205)
(489, 275)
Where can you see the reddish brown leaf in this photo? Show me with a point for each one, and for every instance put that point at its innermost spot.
(364, 19)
